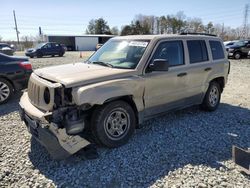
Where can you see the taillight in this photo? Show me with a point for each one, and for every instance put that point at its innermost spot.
(26, 65)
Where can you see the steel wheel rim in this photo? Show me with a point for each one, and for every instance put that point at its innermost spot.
(237, 56)
(4, 91)
(214, 96)
(117, 124)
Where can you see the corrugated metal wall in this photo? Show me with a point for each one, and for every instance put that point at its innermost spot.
(86, 43)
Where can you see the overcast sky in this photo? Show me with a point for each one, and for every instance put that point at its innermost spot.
(72, 17)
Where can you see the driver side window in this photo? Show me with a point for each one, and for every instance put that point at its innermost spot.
(172, 51)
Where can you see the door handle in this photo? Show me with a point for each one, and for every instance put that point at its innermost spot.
(182, 74)
(208, 69)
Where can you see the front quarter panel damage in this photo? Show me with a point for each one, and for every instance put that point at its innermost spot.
(100, 92)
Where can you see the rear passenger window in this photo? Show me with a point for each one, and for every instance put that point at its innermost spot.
(217, 50)
(197, 51)
(172, 51)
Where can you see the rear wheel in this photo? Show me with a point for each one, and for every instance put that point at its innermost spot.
(60, 54)
(113, 124)
(6, 90)
(212, 97)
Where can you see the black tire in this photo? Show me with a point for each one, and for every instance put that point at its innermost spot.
(60, 54)
(39, 55)
(6, 90)
(31, 56)
(210, 102)
(237, 55)
(105, 117)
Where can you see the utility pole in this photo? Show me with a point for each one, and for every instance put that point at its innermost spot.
(245, 22)
(222, 31)
(17, 32)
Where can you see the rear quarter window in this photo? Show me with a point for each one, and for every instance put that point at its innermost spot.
(217, 50)
(197, 51)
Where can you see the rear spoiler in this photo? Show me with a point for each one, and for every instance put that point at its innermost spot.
(241, 158)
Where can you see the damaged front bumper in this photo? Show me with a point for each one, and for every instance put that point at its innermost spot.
(59, 144)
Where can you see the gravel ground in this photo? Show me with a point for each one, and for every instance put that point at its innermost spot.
(188, 148)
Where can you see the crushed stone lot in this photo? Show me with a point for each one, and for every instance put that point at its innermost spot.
(187, 148)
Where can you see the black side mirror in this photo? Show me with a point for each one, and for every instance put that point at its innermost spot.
(159, 65)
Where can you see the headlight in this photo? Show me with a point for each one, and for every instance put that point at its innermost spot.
(230, 50)
(46, 95)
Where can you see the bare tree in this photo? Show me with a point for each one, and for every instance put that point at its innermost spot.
(195, 25)
(115, 31)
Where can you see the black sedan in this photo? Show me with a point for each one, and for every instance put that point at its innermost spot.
(14, 75)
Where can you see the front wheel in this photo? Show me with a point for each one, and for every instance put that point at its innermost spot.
(237, 55)
(39, 55)
(6, 90)
(212, 97)
(113, 124)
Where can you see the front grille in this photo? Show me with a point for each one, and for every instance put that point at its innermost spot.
(36, 89)
(34, 92)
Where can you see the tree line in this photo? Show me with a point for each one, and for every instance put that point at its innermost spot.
(149, 24)
(169, 24)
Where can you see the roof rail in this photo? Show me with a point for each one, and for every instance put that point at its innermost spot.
(206, 34)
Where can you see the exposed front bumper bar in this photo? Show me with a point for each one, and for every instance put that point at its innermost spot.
(241, 158)
(59, 144)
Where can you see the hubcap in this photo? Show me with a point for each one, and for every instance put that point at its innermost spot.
(4, 91)
(117, 124)
(213, 96)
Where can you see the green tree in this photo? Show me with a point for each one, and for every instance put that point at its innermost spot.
(126, 30)
(136, 28)
(91, 27)
(98, 26)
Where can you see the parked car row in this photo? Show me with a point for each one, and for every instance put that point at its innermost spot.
(15, 71)
(238, 49)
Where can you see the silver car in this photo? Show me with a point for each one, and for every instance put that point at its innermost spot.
(6, 49)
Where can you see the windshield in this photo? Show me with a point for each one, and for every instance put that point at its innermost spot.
(124, 54)
(240, 43)
(39, 45)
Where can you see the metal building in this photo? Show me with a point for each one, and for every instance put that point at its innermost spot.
(79, 42)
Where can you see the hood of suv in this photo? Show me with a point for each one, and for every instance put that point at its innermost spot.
(77, 74)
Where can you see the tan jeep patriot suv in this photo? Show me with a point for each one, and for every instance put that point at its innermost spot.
(127, 81)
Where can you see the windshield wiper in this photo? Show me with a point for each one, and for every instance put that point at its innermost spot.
(102, 63)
